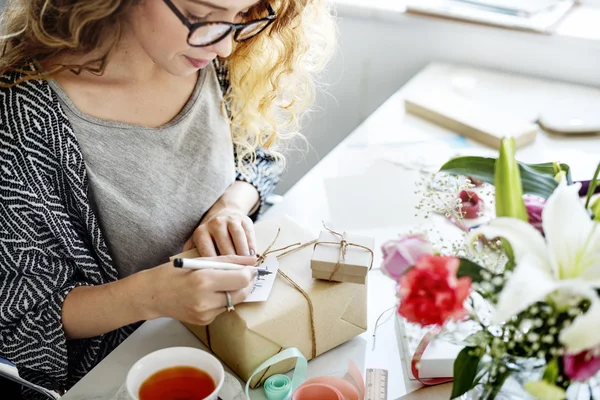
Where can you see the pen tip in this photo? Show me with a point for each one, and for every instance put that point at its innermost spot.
(178, 263)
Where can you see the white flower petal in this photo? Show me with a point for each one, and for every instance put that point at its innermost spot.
(592, 255)
(524, 239)
(582, 334)
(567, 226)
(528, 284)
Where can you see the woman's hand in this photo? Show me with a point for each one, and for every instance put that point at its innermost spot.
(226, 228)
(197, 296)
(188, 295)
(224, 232)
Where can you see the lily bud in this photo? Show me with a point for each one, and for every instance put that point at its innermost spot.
(507, 180)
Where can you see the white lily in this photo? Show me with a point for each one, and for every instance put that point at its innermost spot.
(567, 261)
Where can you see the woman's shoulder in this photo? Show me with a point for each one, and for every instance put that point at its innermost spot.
(29, 108)
(17, 88)
(34, 131)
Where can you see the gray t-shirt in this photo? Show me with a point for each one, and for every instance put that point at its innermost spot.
(151, 186)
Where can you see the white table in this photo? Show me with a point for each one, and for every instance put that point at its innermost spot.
(306, 202)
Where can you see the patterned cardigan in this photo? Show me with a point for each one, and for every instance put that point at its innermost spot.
(50, 239)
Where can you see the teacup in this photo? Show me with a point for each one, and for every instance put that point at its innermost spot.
(169, 361)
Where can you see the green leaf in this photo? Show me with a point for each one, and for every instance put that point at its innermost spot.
(510, 254)
(478, 339)
(592, 188)
(465, 371)
(497, 383)
(549, 169)
(470, 269)
(537, 179)
(551, 372)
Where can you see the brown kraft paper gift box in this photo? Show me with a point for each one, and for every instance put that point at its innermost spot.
(252, 333)
(333, 263)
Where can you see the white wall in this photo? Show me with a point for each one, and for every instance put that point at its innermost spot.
(377, 57)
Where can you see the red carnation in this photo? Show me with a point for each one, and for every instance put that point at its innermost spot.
(431, 294)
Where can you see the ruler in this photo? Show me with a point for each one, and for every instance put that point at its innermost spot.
(376, 385)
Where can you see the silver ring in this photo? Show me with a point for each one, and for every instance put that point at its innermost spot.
(229, 302)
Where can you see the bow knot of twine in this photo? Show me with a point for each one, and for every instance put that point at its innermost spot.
(343, 243)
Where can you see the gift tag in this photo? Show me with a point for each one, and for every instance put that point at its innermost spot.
(264, 284)
(376, 384)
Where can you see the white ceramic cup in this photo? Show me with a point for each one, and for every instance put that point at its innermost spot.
(174, 357)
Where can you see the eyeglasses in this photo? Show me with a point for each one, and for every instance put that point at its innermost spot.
(204, 34)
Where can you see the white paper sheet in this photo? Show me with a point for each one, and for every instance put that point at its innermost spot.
(264, 284)
(383, 196)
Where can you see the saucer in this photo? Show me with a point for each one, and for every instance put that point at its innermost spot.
(232, 389)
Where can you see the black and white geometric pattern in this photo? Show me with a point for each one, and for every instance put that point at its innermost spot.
(50, 240)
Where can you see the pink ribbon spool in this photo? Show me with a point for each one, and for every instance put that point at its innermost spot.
(317, 391)
(333, 388)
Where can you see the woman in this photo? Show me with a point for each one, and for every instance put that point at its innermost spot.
(132, 130)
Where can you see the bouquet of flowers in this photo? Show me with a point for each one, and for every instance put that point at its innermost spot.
(535, 262)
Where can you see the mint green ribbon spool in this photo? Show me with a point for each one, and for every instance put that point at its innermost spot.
(278, 387)
(281, 387)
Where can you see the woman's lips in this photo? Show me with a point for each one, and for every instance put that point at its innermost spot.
(197, 63)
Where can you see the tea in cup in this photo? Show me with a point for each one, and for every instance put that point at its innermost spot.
(176, 373)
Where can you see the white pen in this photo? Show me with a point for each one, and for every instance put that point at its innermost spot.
(192, 263)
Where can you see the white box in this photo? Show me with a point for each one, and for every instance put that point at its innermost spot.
(439, 356)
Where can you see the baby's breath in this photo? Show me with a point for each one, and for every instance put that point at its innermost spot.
(439, 194)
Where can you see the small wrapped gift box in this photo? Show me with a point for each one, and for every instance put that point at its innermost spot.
(342, 257)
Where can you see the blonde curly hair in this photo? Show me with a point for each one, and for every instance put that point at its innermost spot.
(273, 76)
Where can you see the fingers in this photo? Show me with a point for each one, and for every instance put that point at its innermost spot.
(226, 281)
(218, 304)
(225, 236)
(222, 239)
(204, 243)
(237, 296)
(238, 235)
(188, 245)
(198, 296)
(241, 260)
(248, 227)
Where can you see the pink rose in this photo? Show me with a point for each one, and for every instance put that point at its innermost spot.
(535, 206)
(431, 294)
(402, 253)
(472, 205)
(582, 366)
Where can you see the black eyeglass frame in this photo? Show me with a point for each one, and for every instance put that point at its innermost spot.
(232, 27)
